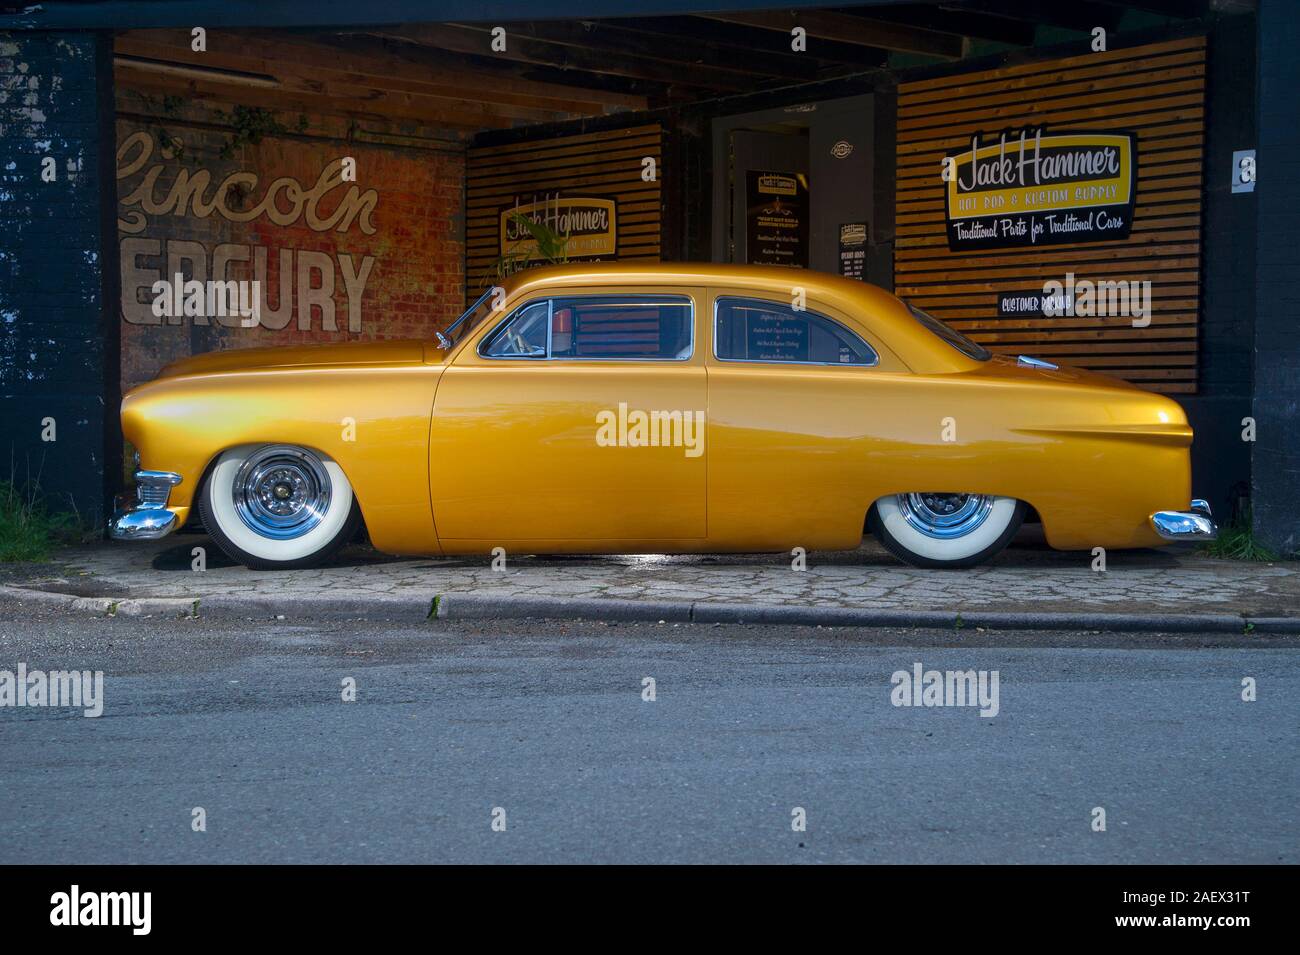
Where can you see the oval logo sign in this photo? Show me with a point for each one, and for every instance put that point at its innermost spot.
(842, 149)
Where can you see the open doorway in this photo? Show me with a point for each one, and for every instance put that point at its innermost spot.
(793, 186)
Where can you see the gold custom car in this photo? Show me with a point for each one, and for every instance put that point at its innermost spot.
(620, 408)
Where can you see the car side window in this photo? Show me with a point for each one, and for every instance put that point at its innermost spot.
(749, 329)
(522, 335)
(597, 327)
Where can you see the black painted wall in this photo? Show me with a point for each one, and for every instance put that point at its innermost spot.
(58, 356)
(1220, 458)
(1277, 272)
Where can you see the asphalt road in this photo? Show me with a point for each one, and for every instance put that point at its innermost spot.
(546, 721)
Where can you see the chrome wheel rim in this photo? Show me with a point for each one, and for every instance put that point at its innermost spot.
(281, 492)
(944, 516)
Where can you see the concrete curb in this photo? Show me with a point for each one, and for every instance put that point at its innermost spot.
(225, 605)
(479, 607)
(471, 606)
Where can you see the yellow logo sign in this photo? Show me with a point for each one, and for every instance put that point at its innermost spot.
(590, 225)
(1036, 187)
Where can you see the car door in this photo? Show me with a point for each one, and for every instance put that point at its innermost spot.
(796, 397)
(577, 418)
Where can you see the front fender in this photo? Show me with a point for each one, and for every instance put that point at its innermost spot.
(373, 421)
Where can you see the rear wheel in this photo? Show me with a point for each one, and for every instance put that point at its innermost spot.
(278, 506)
(945, 530)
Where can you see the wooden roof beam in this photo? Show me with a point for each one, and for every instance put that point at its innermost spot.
(307, 78)
(846, 28)
(731, 40)
(386, 61)
(477, 40)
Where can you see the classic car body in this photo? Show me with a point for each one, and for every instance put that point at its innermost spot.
(489, 438)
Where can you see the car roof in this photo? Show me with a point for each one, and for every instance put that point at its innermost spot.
(878, 311)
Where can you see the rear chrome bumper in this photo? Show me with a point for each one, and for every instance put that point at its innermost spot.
(1194, 525)
(146, 517)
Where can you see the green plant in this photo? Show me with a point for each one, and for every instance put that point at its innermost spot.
(170, 107)
(547, 248)
(28, 531)
(1236, 541)
(249, 124)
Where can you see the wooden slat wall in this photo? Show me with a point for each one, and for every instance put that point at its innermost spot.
(605, 165)
(1156, 91)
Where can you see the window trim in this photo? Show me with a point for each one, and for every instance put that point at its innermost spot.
(717, 301)
(652, 298)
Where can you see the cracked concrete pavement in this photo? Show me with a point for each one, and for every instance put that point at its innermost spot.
(1028, 577)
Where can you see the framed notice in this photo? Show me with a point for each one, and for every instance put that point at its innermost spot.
(1040, 188)
(776, 219)
(853, 250)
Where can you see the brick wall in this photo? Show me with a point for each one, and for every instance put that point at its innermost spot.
(394, 258)
(57, 357)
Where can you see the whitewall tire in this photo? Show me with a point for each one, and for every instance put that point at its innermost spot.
(945, 530)
(278, 506)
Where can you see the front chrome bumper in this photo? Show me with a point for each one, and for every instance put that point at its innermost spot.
(1194, 525)
(146, 517)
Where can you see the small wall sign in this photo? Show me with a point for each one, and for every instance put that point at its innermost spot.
(853, 250)
(1036, 303)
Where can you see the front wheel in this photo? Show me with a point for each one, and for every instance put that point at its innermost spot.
(277, 506)
(944, 530)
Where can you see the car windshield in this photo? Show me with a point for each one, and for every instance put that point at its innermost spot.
(475, 314)
(950, 335)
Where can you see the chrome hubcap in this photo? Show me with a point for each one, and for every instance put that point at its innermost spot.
(281, 492)
(945, 516)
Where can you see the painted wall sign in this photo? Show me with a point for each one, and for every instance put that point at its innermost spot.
(281, 224)
(777, 219)
(175, 218)
(1038, 187)
(853, 250)
(590, 224)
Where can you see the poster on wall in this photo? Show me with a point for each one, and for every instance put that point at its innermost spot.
(1037, 187)
(776, 219)
(584, 228)
(853, 250)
